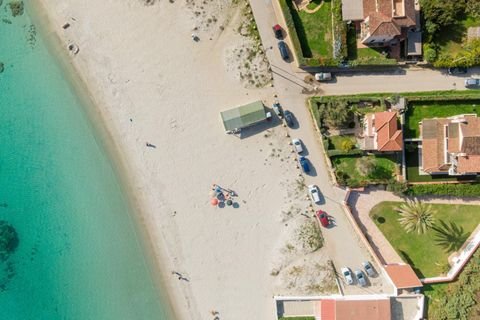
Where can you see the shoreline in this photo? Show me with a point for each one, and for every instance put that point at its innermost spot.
(104, 136)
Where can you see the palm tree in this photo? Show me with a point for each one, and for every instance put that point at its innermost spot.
(449, 236)
(415, 216)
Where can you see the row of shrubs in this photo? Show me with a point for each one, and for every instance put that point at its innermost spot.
(445, 189)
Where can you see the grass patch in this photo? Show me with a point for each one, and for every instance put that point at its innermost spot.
(435, 109)
(451, 42)
(421, 251)
(346, 169)
(314, 30)
(336, 142)
(315, 3)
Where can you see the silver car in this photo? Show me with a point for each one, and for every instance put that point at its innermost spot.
(323, 76)
(472, 83)
(360, 278)
(367, 266)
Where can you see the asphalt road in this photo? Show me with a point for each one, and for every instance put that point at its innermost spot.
(341, 241)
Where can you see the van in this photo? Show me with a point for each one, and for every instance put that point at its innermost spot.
(282, 46)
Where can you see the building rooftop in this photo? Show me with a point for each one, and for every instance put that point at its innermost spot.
(243, 116)
(403, 276)
(352, 10)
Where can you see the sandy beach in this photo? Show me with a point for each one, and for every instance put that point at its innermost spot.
(152, 84)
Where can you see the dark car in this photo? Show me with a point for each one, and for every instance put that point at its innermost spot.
(323, 217)
(304, 164)
(282, 46)
(457, 70)
(277, 30)
(288, 116)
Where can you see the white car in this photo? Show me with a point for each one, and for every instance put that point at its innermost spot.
(314, 193)
(472, 83)
(323, 76)
(347, 274)
(297, 144)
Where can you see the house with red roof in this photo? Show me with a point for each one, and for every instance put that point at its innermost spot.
(450, 145)
(382, 23)
(382, 132)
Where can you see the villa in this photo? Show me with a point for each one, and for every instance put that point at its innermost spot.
(382, 133)
(451, 145)
(386, 23)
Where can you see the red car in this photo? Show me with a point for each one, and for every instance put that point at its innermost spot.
(323, 217)
(277, 30)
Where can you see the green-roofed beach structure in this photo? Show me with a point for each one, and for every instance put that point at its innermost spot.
(243, 116)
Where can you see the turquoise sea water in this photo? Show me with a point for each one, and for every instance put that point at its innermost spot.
(78, 256)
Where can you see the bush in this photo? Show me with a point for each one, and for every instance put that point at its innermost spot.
(446, 189)
(17, 8)
(429, 53)
(398, 188)
(457, 300)
(347, 145)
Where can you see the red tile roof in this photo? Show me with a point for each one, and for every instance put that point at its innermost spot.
(382, 21)
(378, 309)
(389, 136)
(403, 276)
(327, 309)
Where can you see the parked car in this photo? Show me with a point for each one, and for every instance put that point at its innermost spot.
(360, 278)
(367, 266)
(304, 164)
(288, 117)
(277, 108)
(323, 217)
(277, 30)
(347, 274)
(323, 76)
(457, 70)
(314, 193)
(472, 83)
(282, 46)
(297, 144)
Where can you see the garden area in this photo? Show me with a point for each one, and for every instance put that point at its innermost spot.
(456, 300)
(359, 171)
(424, 235)
(446, 26)
(364, 56)
(312, 31)
(419, 110)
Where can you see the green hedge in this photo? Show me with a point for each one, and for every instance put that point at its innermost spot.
(292, 31)
(372, 61)
(450, 189)
(336, 152)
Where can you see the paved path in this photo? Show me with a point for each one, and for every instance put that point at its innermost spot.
(362, 202)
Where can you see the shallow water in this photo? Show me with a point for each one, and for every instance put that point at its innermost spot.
(78, 255)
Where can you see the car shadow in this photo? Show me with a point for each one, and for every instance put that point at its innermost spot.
(305, 151)
(313, 171)
(273, 122)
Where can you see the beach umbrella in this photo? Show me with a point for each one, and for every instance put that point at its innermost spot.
(229, 202)
(214, 201)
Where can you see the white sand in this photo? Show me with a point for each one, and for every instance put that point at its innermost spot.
(140, 63)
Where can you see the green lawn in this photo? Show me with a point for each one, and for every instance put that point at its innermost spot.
(346, 166)
(426, 258)
(335, 142)
(440, 109)
(412, 162)
(315, 3)
(450, 41)
(314, 31)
